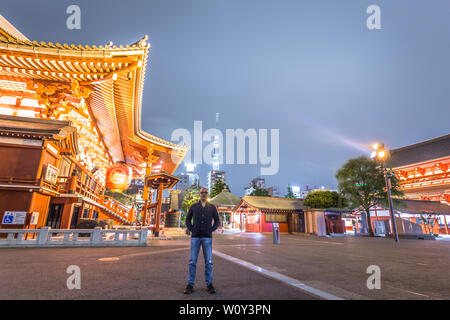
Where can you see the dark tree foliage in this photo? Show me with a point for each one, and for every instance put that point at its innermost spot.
(361, 181)
(260, 192)
(325, 200)
(219, 186)
(192, 196)
(124, 197)
(289, 193)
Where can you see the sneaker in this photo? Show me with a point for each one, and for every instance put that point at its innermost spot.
(189, 289)
(211, 288)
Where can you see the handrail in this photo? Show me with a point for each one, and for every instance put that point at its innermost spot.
(118, 208)
(72, 237)
(20, 181)
(63, 185)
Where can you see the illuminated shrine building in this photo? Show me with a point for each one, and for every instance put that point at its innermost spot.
(68, 114)
(424, 169)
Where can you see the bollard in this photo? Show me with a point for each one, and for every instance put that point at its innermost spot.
(143, 236)
(43, 236)
(276, 232)
(96, 235)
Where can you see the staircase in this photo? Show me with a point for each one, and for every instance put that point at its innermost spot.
(113, 209)
(117, 211)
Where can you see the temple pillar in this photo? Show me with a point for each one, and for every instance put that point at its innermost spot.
(73, 183)
(158, 209)
(148, 170)
(241, 220)
(445, 224)
(231, 219)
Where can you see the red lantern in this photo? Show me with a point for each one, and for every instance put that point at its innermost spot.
(118, 177)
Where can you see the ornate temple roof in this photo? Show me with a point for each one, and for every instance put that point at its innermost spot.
(416, 207)
(7, 30)
(113, 78)
(423, 207)
(154, 180)
(24, 127)
(273, 203)
(225, 199)
(419, 152)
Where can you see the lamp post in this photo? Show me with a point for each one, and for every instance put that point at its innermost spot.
(381, 154)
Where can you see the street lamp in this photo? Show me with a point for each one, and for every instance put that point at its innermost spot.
(381, 154)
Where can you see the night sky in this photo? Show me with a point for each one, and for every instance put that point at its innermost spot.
(309, 68)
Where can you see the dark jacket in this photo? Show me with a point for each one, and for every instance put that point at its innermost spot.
(202, 216)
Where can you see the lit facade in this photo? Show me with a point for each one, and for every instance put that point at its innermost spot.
(225, 203)
(423, 169)
(431, 216)
(257, 214)
(67, 114)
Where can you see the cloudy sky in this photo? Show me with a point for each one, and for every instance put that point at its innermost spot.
(311, 69)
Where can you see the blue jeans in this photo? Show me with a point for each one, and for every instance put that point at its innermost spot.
(206, 244)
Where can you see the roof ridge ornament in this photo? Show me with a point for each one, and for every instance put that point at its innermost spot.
(142, 43)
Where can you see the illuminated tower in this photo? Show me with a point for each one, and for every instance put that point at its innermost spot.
(215, 155)
(215, 174)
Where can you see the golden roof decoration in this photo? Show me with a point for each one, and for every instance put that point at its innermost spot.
(8, 30)
(109, 77)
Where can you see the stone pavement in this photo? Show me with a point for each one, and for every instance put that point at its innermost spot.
(411, 269)
(155, 272)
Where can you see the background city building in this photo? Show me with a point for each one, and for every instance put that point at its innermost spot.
(260, 183)
(214, 176)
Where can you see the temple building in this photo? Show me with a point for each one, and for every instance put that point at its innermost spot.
(424, 169)
(70, 126)
(432, 217)
(257, 214)
(225, 203)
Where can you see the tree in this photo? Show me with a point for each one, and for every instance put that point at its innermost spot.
(260, 192)
(361, 180)
(290, 194)
(218, 188)
(192, 196)
(126, 198)
(325, 200)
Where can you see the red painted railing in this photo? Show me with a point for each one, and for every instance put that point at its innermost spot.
(119, 209)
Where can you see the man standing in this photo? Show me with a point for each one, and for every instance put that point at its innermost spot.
(201, 235)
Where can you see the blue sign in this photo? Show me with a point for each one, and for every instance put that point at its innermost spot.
(8, 219)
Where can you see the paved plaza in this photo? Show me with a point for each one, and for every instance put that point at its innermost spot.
(246, 266)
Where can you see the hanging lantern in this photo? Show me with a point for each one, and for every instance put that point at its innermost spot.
(118, 177)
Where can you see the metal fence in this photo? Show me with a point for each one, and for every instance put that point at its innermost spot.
(97, 237)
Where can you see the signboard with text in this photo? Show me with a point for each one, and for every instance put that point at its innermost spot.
(34, 218)
(14, 217)
(51, 174)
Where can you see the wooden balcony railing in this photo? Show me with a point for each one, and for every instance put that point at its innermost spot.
(72, 185)
(27, 182)
(90, 190)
